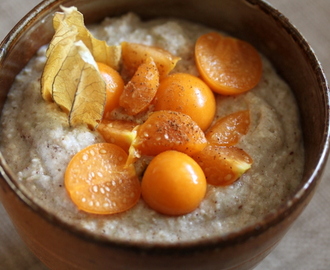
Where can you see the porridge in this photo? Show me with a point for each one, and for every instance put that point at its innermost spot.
(38, 144)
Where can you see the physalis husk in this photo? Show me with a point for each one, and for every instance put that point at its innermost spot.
(71, 77)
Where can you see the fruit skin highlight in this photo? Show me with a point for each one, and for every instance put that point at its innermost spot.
(173, 184)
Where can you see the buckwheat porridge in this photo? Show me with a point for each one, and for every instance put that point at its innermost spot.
(38, 144)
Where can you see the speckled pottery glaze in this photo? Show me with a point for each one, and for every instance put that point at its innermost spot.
(61, 246)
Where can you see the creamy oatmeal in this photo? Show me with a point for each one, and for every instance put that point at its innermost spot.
(38, 144)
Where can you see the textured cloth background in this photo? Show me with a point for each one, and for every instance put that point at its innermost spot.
(307, 245)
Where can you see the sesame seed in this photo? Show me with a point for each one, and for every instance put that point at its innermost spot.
(103, 151)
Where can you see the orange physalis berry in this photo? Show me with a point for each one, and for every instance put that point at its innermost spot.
(188, 94)
(228, 65)
(98, 181)
(223, 165)
(173, 184)
(229, 129)
(141, 89)
(114, 87)
(167, 130)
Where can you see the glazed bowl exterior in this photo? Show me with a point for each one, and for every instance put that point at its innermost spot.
(61, 246)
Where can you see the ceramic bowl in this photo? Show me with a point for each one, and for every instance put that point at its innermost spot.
(61, 246)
